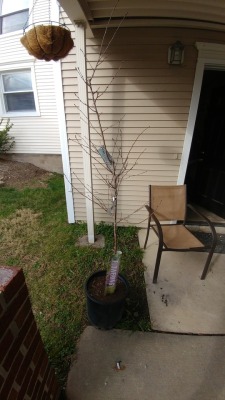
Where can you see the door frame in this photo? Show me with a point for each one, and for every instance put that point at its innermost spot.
(210, 56)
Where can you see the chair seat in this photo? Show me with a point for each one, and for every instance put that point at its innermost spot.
(178, 237)
(168, 203)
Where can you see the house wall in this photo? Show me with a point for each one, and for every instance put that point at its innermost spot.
(37, 134)
(147, 93)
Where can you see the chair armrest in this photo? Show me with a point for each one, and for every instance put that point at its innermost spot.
(157, 222)
(212, 228)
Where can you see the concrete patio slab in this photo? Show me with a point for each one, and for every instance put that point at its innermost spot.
(154, 366)
(180, 301)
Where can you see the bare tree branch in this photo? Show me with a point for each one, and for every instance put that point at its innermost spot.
(110, 168)
(126, 218)
(90, 196)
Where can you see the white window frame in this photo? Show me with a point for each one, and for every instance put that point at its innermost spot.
(11, 69)
(16, 31)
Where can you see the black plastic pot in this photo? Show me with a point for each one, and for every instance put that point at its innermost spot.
(103, 314)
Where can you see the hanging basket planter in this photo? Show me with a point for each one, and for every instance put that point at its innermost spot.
(47, 42)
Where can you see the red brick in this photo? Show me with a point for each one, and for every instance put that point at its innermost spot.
(5, 344)
(47, 373)
(55, 391)
(41, 390)
(26, 381)
(49, 379)
(12, 310)
(36, 390)
(10, 377)
(45, 396)
(43, 386)
(39, 352)
(34, 377)
(30, 388)
(1, 310)
(17, 343)
(19, 364)
(22, 313)
(13, 395)
(51, 383)
(26, 361)
(1, 381)
(15, 363)
(30, 335)
(44, 365)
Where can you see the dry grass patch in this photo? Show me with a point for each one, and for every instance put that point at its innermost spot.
(18, 233)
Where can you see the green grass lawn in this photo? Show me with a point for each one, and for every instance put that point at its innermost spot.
(36, 236)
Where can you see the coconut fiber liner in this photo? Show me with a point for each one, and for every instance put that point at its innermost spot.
(48, 42)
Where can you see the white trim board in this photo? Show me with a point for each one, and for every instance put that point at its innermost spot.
(85, 127)
(210, 56)
(64, 142)
(62, 130)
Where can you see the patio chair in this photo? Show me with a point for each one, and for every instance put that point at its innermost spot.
(167, 216)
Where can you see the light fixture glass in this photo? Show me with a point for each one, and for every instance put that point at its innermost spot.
(176, 53)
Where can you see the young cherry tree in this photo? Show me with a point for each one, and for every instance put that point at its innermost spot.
(111, 164)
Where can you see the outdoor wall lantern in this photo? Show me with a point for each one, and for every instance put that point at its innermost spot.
(176, 53)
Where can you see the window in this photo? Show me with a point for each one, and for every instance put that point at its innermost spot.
(17, 91)
(14, 15)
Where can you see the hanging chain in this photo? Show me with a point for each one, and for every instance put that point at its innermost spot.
(49, 11)
(61, 14)
(31, 11)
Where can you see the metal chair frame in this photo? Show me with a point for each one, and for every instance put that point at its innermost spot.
(157, 228)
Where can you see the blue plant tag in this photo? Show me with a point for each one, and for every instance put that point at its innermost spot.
(107, 158)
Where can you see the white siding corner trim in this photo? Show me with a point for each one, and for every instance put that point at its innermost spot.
(64, 142)
(85, 127)
(62, 129)
(211, 56)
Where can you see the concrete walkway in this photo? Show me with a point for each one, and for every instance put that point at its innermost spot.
(180, 301)
(161, 366)
(154, 366)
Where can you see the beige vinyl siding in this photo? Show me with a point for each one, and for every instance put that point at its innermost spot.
(40, 11)
(33, 134)
(11, 49)
(151, 96)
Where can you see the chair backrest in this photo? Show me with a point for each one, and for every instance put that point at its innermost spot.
(168, 202)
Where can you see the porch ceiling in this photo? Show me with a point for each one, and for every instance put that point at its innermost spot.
(204, 14)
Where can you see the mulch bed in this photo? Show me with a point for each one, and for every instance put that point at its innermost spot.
(19, 175)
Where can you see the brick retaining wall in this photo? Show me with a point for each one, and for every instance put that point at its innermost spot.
(25, 372)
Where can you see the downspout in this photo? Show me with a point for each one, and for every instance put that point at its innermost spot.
(85, 125)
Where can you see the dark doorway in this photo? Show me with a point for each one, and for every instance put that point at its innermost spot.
(205, 175)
